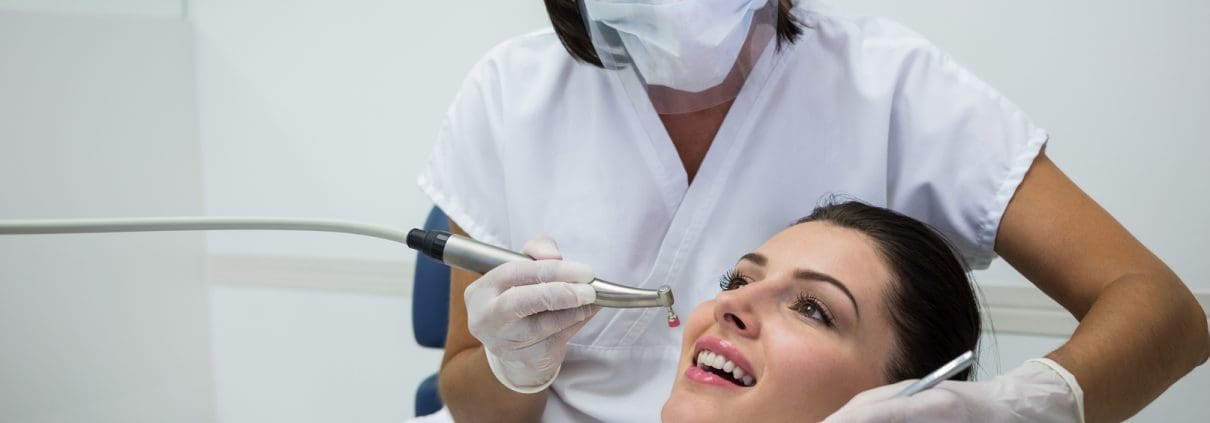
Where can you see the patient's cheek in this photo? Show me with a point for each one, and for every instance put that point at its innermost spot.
(701, 318)
(819, 372)
(697, 323)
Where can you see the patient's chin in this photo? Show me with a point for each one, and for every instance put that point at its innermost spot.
(681, 407)
(687, 406)
(679, 411)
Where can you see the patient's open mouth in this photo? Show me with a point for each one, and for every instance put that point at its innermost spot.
(723, 367)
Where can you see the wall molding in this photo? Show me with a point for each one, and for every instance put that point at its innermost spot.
(1017, 308)
(1023, 309)
(353, 275)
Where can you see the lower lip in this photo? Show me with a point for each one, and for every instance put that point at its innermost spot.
(698, 375)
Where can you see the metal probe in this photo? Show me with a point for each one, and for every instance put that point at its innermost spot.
(943, 373)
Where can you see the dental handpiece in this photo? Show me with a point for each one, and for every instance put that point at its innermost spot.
(468, 254)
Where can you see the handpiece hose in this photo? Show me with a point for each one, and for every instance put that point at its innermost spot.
(194, 223)
(453, 250)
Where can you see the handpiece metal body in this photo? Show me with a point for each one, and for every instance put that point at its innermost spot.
(468, 254)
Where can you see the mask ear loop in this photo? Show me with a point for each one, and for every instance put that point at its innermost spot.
(605, 41)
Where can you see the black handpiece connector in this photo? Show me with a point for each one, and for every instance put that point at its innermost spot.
(430, 243)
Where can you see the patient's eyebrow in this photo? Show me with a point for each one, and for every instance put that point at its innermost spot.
(755, 258)
(806, 275)
(811, 275)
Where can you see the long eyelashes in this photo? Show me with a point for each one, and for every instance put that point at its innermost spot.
(807, 305)
(732, 279)
(812, 308)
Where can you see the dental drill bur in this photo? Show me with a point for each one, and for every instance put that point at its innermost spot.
(468, 254)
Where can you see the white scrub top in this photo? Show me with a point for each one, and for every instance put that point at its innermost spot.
(536, 142)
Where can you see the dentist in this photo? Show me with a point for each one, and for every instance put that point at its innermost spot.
(658, 140)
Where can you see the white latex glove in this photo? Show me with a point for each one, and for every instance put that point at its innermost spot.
(1038, 391)
(525, 312)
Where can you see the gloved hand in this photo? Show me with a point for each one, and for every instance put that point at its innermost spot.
(525, 312)
(1038, 391)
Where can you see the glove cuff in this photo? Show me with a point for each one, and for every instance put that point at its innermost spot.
(499, 369)
(1069, 379)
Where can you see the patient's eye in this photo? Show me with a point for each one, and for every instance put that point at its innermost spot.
(732, 279)
(812, 308)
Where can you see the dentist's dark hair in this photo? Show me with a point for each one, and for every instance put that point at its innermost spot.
(568, 23)
(932, 305)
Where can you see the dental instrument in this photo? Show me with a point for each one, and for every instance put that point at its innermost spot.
(453, 250)
(943, 373)
(468, 254)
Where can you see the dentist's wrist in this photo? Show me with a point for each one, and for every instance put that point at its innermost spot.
(1067, 379)
(503, 369)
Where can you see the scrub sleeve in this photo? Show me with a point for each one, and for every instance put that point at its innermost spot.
(959, 151)
(464, 175)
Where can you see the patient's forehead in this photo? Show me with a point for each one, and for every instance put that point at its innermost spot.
(821, 243)
(846, 254)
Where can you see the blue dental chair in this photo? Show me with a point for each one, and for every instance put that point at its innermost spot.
(430, 311)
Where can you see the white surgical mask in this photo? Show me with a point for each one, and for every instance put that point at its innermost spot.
(687, 45)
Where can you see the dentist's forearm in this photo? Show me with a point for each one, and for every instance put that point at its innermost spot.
(1143, 332)
(468, 387)
(1140, 327)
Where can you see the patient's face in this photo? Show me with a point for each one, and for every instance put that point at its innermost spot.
(802, 344)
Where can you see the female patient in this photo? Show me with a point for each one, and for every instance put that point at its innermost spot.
(849, 298)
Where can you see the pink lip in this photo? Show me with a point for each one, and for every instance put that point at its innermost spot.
(725, 348)
(696, 374)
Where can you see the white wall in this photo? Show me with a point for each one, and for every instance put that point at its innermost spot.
(142, 8)
(97, 118)
(328, 109)
(314, 356)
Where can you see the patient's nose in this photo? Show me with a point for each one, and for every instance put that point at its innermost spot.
(735, 320)
(734, 313)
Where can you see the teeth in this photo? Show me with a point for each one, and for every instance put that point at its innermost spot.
(709, 359)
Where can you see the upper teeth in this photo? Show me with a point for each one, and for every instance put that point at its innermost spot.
(707, 358)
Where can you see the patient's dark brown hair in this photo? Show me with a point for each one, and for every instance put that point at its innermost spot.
(569, 25)
(933, 309)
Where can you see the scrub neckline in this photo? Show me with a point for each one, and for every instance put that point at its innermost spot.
(689, 203)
